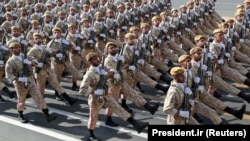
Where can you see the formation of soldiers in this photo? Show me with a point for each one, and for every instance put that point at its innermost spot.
(120, 44)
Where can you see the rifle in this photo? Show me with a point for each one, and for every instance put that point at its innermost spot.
(185, 103)
(179, 30)
(169, 4)
(3, 56)
(78, 44)
(101, 83)
(119, 64)
(44, 56)
(104, 31)
(91, 40)
(62, 50)
(25, 66)
(209, 64)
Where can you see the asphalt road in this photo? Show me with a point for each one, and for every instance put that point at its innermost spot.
(71, 122)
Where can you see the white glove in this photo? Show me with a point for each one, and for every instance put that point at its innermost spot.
(201, 19)
(141, 61)
(90, 41)
(24, 42)
(3, 47)
(233, 48)
(98, 92)
(147, 53)
(227, 55)
(187, 29)
(111, 31)
(181, 21)
(59, 55)
(191, 102)
(143, 45)
(197, 80)
(147, 15)
(159, 41)
(178, 33)
(1, 62)
(195, 23)
(103, 35)
(121, 57)
(206, 14)
(77, 48)
(117, 76)
(51, 37)
(137, 52)
(39, 65)
(241, 40)
(103, 72)
(221, 61)
(26, 61)
(209, 55)
(22, 79)
(168, 37)
(184, 114)
(229, 39)
(172, 26)
(200, 88)
(188, 91)
(131, 68)
(204, 67)
(124, 27)
(49, 50)
(131, 23)
(209, 73)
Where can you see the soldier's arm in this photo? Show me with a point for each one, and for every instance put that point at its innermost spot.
(9, 71)
(85, 88)
(169, 103)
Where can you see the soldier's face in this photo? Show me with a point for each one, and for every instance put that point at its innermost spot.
(145, 30)
(98, 17)
(130, 40)
(201, 42)
(49, 8)
(35, 26)
(110, 14)
(85, 24)
(247, 5)
(72, 30)
(95, 61)
(16, 50)
(112, 50)
(136, 33)
(15, 33)
(61, 16)
(197, 56)
(156, 22)
(37, 9)
(37, 40)
(239, 17)
(47, 19)
(9, 18)
(57, 34)
(85, 9)
(186, 63)
(179, 78)
(218, 37)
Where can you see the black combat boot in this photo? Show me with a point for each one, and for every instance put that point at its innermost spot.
(70, 100)
(163, 88)
(138, 125)
(138, 85)
(11, 94)
(247, 82)
(124, 105)
(21, 118)
(110, 122)
(91, 136)
(57, 96)
(166, 78)
(152, 108)
(217, 95)
(1, 98)
(244, 96)
(237, 113)
(75, 87)
(248, 75)
(49, 117)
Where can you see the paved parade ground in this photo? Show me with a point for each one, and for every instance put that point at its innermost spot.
(71, 122)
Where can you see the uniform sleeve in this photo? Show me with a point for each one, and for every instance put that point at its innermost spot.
(85, 85)
(9, 72)
(169, 103)
(212, 49)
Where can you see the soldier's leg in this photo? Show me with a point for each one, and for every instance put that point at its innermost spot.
(76, 61)
(147, 69)
(241, 57)
(233, 75)
(169, 55)
(245, 50)
(238, 67)
(206, 111)
(193, 121)
(41, 81)
(4, 88)
(73, 70)
(158, 64)
(58, 70)
(176, 48)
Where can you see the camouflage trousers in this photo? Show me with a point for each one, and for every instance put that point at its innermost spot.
(2, 85)
(149, 70)
(58, 69)
(48, 75)
(206, 111)
(109, 102)
(177, 120)
(218, 82)
(158, 64)
(32, 90)
(232, 74)
(237, 66)
(241, 57)
(130, 94)
(176, 48)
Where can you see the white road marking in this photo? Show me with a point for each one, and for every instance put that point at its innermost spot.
(37, 129)
(84, 119)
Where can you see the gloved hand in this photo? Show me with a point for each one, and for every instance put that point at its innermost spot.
(22, 79)
(184, 114)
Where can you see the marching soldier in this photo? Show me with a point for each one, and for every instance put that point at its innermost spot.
(97, 98)
(43, 71)
(60, 62)
(117, 85)
(18, 72)
(175, 97)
